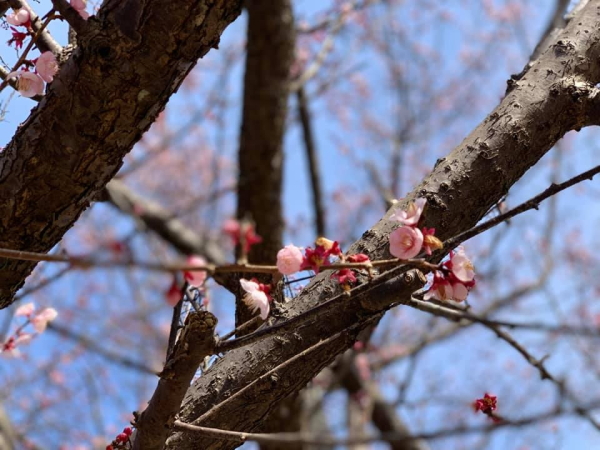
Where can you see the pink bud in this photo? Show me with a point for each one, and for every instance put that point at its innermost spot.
(19, 17)
(289, 259)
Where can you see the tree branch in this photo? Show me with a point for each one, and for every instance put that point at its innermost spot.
(163, 223)
(74, 141)
(194, 344)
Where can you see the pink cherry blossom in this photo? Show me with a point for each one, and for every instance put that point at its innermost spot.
(255, 298)
(462, 267)
(9, 348)
(25, 310)
(29, 84)
(196, 277)
(440, 290)
(412, 215)
(46, 66)
(79, 6)
(19, 17)
(40, 321)
(289, 259)
(406, 242)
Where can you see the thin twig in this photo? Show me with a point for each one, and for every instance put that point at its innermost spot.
(532, 203)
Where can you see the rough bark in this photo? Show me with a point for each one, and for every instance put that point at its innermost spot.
(130, 59)
(555, 95)
(196, 342)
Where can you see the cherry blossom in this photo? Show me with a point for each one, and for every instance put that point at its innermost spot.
(256, 298)
(441, 289)
(461, 266)
(412, 215)
(9, 348)
(46, 66)
(40, 320)
(289, 259)
(406, 242)
(25, 310)
(29, 84)
(195, 277)
(18, 17)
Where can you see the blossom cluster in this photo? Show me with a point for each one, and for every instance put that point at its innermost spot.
(30, 84)
(39, 322)
(455, 280)
(408, 241)
(452, 281)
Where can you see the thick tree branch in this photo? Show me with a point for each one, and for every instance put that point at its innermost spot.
(195, 343)
(550, 99)
(126, 66)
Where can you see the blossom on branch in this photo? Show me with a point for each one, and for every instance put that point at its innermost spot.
(46, 66)
(289, 259)
(406, 242)
(358, 258)
(40, 321)
(315, 259)
(461, 266)
(454, 281)
(257, 296)
(29, 84)
(19, 17)
(344, 277)
(411, 216)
